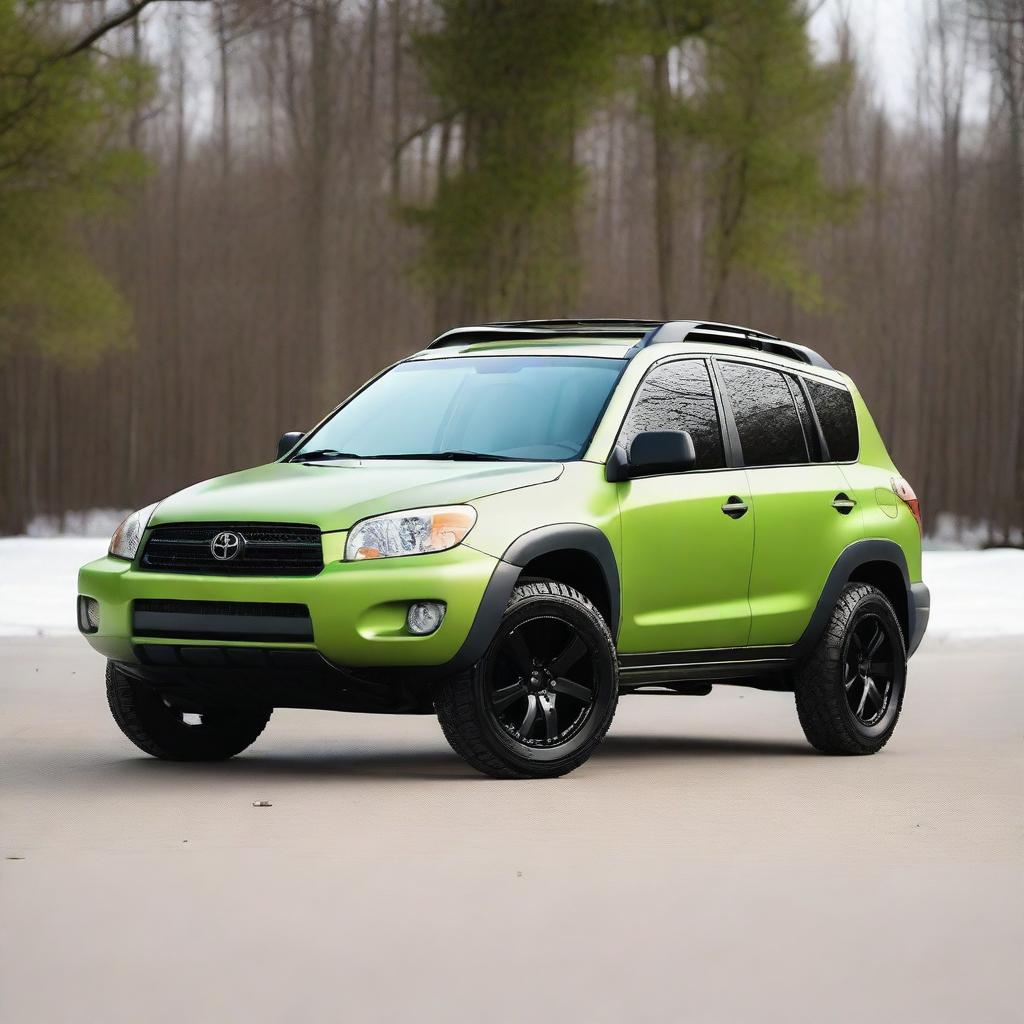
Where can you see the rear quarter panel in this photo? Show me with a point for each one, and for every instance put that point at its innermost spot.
(883, 515)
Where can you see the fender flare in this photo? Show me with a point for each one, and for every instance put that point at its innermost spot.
(859, 553)
(544, 540)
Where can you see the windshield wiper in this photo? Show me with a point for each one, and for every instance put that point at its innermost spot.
(323, 454)
(452, 456)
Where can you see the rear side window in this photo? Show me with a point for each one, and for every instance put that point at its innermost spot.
(806, 420)
(766, 417)
(678, 396)
(838, 419)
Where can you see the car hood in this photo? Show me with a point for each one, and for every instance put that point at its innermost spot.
(336, 495)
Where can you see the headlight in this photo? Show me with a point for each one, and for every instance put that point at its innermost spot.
(416, 532)
(125, 542)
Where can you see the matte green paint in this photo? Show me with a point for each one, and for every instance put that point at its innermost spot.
(691, 577)
(336, 495)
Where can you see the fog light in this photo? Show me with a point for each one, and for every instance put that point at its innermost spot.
(424, 617)
(88, 614)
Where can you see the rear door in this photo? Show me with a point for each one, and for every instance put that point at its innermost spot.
(803, 513)
(685, 560)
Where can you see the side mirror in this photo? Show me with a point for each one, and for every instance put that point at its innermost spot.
(289, 441)
(652, 452)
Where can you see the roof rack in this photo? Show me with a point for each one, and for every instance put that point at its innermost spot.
(647, 332)
(525, 330)
(674, 331)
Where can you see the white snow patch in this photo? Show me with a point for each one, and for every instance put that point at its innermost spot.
(974, 593)
(39, 582)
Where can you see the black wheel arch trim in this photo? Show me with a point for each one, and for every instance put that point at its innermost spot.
(545, 540)
(859, 553)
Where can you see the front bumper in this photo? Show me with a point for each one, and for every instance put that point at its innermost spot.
(357, 609)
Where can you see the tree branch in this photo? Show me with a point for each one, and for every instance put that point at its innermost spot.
(131, 11)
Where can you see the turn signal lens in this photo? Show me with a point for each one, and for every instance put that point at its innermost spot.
(125, 542)
(906, 494)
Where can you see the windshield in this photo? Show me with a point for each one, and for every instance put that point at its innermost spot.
(535, 408)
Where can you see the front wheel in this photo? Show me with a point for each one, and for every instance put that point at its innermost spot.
(543, 696)
(161, 730)
(850, 691)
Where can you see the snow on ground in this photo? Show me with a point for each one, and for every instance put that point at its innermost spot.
(974, 593)
(39, 582)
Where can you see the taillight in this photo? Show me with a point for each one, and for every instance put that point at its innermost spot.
(906, 494)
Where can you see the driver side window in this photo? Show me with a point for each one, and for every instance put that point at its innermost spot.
(678, 396)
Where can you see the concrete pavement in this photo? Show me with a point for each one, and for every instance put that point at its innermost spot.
(706, 865)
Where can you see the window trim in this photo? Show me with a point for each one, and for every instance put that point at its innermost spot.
(826, 459)
(727, 449)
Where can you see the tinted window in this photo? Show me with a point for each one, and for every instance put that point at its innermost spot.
(511, 407)
(766, 418)
(806, 420)
(678, 396)
(838, 419)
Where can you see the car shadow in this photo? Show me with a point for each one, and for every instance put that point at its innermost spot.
(625, 746)
(438, 765)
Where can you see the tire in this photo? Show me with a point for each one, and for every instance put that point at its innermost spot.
(501, 716)
(159, 730)
(849, 692)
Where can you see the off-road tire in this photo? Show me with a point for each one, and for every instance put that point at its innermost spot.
(829, 722)
(159, 730)
(460, 701)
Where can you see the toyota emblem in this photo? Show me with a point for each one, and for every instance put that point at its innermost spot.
(226, 546)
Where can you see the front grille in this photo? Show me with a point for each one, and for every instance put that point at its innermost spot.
(269, 549)
(223, 620)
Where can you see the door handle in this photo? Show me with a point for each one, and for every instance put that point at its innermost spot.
(843, 504)
(735, 507)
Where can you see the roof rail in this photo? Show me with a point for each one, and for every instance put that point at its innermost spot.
(647, 332)
(675, 331)
(525, 330)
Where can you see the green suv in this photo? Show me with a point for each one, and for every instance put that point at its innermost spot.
(516, 526)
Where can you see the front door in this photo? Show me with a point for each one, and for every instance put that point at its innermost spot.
(687, 538)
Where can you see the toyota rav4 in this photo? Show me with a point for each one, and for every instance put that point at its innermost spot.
(517, 526)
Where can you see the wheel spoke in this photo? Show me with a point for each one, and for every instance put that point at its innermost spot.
(871, 689)
(572, 653)
(856, 647)
(519, 652)
(875, 642)
(851, 676)
(573, 689)
(547, 705)
(530, 717)
(863, 699)
(507, 695)
(881, 668)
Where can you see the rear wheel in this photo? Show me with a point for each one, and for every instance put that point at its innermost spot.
(541, 699)
(158, 729)
(850, 691)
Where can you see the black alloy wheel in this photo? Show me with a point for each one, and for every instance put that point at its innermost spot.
(541, 699)
(542, 682)
(849, 692)
(869, 669)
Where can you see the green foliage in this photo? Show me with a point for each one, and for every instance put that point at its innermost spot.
(763, 114)
(58, 116)
(517, 78)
